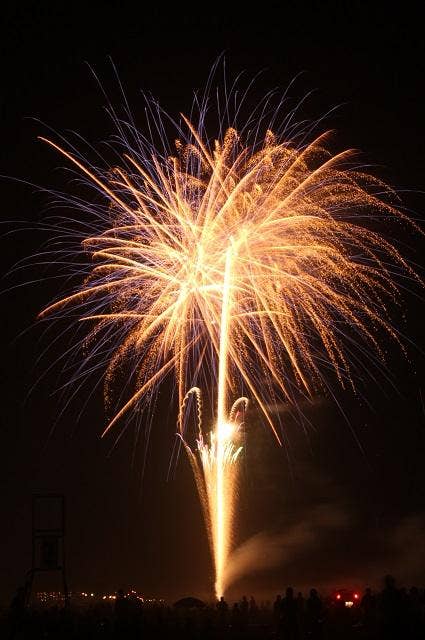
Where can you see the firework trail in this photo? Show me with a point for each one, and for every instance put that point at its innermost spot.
(240, 262)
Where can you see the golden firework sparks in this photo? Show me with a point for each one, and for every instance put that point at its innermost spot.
(242, 263)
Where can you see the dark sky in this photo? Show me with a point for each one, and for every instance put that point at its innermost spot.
(329, 512)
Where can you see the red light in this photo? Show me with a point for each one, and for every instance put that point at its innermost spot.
(356, 596)
(338, 596)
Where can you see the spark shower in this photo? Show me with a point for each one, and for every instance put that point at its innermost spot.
(239, 261)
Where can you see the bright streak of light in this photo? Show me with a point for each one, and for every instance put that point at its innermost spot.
(225, 493)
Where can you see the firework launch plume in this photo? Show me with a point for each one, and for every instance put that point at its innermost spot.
(238, 263)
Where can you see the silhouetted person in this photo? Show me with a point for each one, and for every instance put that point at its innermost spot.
(244, 606)
(222, 605)
(18, 601)
(253, 609)
(314, 615)
(277, 610)
(368, 610)
(391, 610)
(122, 615)
(244, 609)
(368, 601)
(237, 619)
(415, 616)
(290, 622)
(222, 608)
(17, 612)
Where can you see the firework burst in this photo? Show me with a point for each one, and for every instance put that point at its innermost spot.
(234, 264)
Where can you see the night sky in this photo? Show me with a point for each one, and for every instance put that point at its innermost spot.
(344, 503)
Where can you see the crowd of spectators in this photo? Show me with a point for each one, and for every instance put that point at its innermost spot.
(392, 613)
